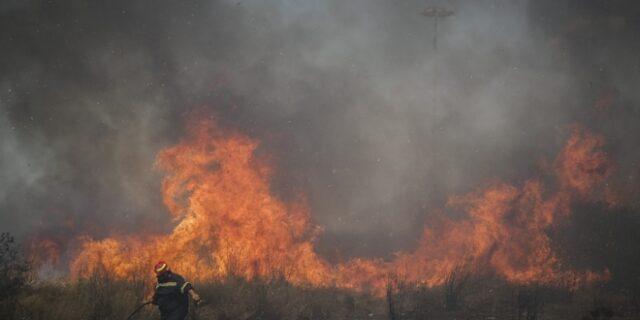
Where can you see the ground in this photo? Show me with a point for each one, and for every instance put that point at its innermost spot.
(235, 298)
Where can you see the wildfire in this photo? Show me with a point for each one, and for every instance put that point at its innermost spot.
(228, 222)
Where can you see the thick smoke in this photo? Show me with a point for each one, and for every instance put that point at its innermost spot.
(359, 111)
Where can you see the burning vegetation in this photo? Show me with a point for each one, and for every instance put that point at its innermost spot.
(228, 223)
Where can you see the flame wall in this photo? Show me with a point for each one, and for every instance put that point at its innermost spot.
(228, 222)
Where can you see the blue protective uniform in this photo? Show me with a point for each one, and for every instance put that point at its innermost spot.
(172, 296)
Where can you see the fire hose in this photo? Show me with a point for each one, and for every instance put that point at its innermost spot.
(138, 309)
(147, 303)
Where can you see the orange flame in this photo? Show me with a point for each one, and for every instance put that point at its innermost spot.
(228, 222)
(579, 166)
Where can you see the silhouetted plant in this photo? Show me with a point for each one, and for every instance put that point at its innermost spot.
(13, 275)
(390, 299)
(454, 283)
(529, 303)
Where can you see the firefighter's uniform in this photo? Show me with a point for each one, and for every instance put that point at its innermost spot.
(172, 296)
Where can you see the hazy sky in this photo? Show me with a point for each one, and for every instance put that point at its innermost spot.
(360, 112)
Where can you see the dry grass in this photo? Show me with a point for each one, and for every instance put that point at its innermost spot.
(91, 299)
(234, 298)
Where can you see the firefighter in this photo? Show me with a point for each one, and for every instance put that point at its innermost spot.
(172, 293)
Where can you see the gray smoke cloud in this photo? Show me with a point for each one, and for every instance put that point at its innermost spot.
(363, 116)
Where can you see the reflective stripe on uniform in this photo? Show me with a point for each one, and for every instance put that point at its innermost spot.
(167, 284)
(184, 286)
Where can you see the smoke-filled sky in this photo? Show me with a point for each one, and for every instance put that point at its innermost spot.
(357, 110)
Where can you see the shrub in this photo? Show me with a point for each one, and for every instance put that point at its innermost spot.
(13, 275)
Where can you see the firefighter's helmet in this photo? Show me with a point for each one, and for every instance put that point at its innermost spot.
(161, 267)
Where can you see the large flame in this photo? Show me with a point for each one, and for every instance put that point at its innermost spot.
(228, 222)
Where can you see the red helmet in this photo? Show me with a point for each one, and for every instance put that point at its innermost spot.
(161, 267)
